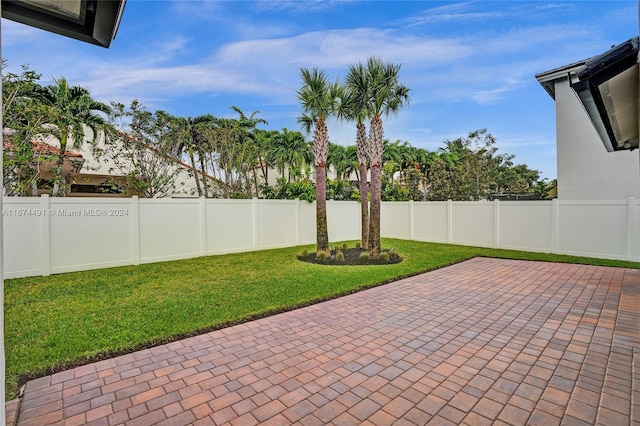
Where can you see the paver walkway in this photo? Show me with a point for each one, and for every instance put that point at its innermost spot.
(485, 341)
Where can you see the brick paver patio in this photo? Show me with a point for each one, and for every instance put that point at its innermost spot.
(485, 341)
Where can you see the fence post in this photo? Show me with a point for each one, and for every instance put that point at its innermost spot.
(554, 225)
(632, 229)
(449, 221)
(46, 234)
(496, 223)
(135, 229)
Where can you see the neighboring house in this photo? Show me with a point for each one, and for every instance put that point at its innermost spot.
(597, 125)
(91, 171)
(45, 157)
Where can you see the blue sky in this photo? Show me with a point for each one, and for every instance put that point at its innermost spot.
(469, 65)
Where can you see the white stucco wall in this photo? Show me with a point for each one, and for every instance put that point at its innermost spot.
(586, 171)
(104, 165)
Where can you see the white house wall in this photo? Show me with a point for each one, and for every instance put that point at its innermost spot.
(103, 165)
(586, 171)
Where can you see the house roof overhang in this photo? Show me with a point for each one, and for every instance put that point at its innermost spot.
(547, 79)
(91, 21)
(607, 87)
(608, 90)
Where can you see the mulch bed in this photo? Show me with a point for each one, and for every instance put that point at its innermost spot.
(351, 257)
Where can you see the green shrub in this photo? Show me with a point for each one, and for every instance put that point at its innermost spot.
(304, 254)
(393, 255)
(364, 257)
(302, 189)
(384, 257)
(344, 246)
(358, 245)
(340, 257)
(321, 257)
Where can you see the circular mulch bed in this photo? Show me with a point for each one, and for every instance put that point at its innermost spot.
(351, 257)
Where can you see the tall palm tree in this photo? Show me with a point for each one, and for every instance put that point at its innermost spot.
(265, 139)
(353, 164)
(75, 109)
(190, 139)
(228, 153)
(337, 157)
(290, 151)
(251, 147)
(392, 156)
(355, 107)
(320, 99)
(386, 96)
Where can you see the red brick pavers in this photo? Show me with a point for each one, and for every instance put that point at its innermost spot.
(485, 341)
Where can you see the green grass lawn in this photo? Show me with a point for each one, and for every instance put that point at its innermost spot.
(59, 321)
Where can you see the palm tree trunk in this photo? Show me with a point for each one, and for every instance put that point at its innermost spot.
(361, 153)
(322, 235)
(375, 154)
(374, 219)
(364, 206)
(195, 171)
(204, 176)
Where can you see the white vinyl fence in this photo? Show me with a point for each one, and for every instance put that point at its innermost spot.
(604, 229)
(46, 235)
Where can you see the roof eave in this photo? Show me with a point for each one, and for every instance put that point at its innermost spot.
(547, 79)
(605, 106)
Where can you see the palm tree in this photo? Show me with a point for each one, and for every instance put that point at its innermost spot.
(75, 109)
(337, 157)
(320, 100)
(290, 151)
(353, 164)
(386, 95)
(392, 156)
(355, 107)
(190, 139)
(251, 146)
(264, 140)
(229, 149)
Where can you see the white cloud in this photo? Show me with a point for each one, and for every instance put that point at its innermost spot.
(448, 69)
(169, 82)
(339, 48)
(478, 68)
(490, 96)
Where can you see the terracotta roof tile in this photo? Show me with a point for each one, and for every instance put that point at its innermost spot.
(43, 148)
